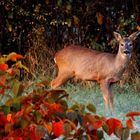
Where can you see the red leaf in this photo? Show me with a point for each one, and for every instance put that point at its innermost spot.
(113, 124)
(129, 124)
(3, 119)
(3, 67)
(2, 91)
(2, 80)
(98, 124)
(19, 113)
(33, 132)
(53, 108)
(133, 114)
(58, 128)
(12, 138)
(33, 136)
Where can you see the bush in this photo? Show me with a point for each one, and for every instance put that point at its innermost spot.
(44, 114)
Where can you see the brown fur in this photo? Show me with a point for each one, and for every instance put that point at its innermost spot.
(88, 64)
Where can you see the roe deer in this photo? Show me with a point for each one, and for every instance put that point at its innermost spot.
(88, 64)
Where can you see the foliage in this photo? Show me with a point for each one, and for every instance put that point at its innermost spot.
(38, 28)
(78, 22)
(44, 114)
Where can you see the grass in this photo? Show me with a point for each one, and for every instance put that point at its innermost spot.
(126, 99)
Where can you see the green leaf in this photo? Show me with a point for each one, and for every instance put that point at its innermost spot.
(16, 106)
(100, 134)
(16, 87)
(59, 2)
(91, 108)
(105, 128)
(6, 109)
(21, 66)
(24, 123)
(38, 117)
(64, 104)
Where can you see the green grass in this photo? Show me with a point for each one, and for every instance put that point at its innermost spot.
(126, 99)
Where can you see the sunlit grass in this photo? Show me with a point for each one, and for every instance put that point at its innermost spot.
(126, 99)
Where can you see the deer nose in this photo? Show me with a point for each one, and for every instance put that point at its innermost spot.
(126, 51)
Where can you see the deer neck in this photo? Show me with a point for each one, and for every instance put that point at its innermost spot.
(121, 61)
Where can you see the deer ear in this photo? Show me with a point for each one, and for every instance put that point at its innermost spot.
(117, 36)
(134, 35)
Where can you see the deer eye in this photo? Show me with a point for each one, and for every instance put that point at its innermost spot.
(130, 44)
(122, 44)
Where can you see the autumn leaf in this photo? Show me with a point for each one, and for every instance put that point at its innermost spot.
(9, 117)
(53, 108)
(3, 67)
(113, 124)
(19, 113)
(13, 71)
(100, 18)
(8, 127)
(3, 119)
(14, 57)
(133, 114)
(21, 66)
(76, 20)
(135, 136)
(92, 120)
(58, 128)
(2, 80)
(129, 124)
(12, 138)
(42, 83)
(138, 27)
(91, 108)
(48, 126)
(2, 91)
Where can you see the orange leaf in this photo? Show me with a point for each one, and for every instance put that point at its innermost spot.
(2, 80)
(9, 117)
(100, 18)
(94, 121)
(129, 124)
(3, 67)
(48, 126)
(58, 128)
(14, 56)
(132, 114)
(11, 71)
(113, 124)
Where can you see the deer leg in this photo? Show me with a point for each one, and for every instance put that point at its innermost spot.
(107, 94)
(60, 79)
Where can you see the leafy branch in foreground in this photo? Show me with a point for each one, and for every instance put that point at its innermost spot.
(44, 114)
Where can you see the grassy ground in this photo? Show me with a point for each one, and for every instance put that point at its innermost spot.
(126, 99)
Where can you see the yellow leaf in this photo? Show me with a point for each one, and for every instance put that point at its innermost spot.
(76, 20)
(100, 18)
(10, 28)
